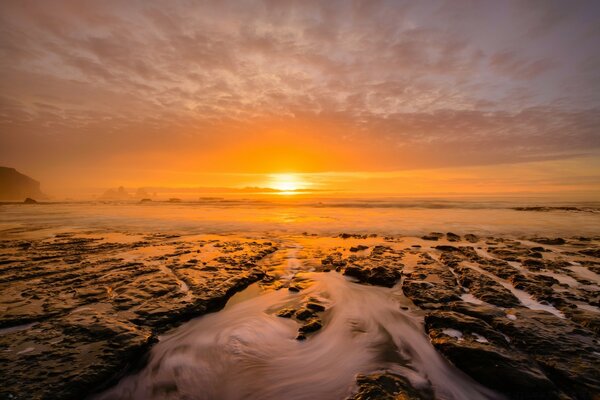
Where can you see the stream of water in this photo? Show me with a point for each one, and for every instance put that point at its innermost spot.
(247, 352)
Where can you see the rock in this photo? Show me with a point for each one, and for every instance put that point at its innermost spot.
(591, 252)
(286, 313)
(447, 248)
(95, 313)
(485, 289)
(471, 238)
(388, 386)
(378, 275)
(566, 353)
(304, 314)
(145, 200)
(315, 306)
(433, 236)
(174, 200)
(549, 241)
(490, 362)
(15, 186)
(452, 237)
(116, 194)
(539, 249)
(29, 200)
(360, 247)
(431, 284)
(312, 325)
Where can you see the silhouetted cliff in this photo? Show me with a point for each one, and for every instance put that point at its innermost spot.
(14, 186)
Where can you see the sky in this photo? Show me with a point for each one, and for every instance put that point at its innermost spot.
(364, 96)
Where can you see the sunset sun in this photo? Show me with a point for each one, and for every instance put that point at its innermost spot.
(287, 182)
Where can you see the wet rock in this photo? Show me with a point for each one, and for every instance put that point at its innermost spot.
(591, 252)
(312, 325)
(446, 248)
(315, 306)
(388, 386)
(334, 260)
(360, 247)
(286, 313)
(72, 355)
(539, 249)
(431, 284)
(378, 275)
(433, 236)
(549, 241)
(96, 312)
(382, 266)
(304, 314)
(490, 361)
(485, 289)
(471, 238)
(452, 237)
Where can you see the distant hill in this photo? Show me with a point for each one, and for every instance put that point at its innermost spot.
(14, 186)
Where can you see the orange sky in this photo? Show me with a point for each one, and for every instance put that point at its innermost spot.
(368, 96)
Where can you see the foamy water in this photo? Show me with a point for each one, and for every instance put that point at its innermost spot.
(247, 352)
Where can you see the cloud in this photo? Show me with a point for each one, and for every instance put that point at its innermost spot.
(398, 85)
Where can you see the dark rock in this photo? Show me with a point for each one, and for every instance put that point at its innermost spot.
(446, 248)
(566, 353)
(485, 288)
(315, 306)
(388, 386)
(360, 247)
(471, 238)
(539, 248)
(304, 314)
(591, 252)
(433, 236)
(29, 200)
(286, 313)
(378, 275)
(491, 361)
(549, 241)
(312, 325)
(452, 237)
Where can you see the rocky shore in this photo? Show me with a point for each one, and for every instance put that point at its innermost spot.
(77, 311)
(519, 316)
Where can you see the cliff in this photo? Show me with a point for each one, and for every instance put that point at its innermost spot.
(14, 186)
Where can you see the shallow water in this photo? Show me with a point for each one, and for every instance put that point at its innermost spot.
(247, 352)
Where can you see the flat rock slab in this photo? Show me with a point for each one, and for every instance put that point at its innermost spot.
(77, 311)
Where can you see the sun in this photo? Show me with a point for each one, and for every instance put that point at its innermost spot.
(286, 183)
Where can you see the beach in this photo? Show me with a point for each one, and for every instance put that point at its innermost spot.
(331, 299)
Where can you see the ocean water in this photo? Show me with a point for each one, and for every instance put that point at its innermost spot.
(289, 215)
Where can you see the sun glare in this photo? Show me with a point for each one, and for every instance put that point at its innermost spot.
(287, 183)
